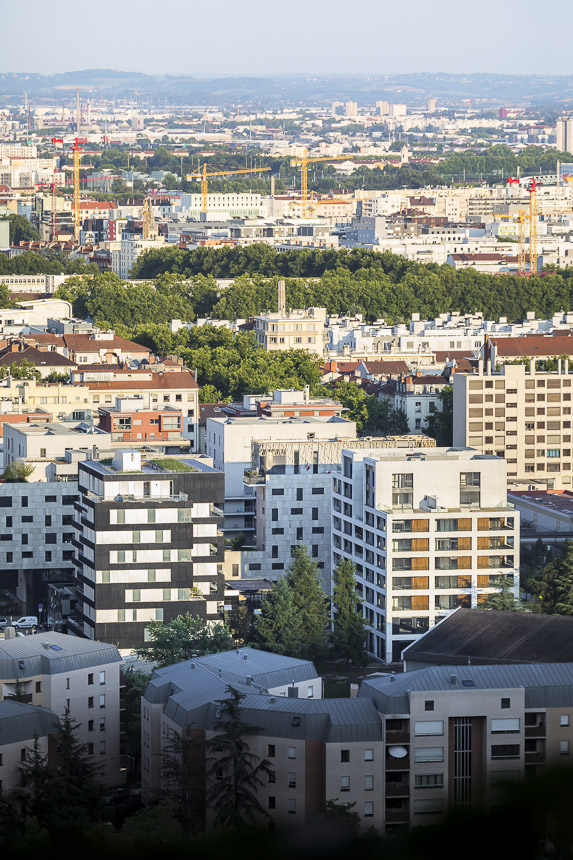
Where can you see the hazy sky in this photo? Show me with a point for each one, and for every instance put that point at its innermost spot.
(260, 37)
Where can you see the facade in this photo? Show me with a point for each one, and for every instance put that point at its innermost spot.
(36, 534)
(39, 445)
(564, 134)
(406, 749)
(147, 545)
(455, 735)
(229, 441)
(299, 329)
(63, 402)
(417, 396)
(428, 530)
(523, 415)
(292, 481)
(133, 420)
(58, 672)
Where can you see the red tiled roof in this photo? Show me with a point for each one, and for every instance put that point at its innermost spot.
(159, 380)
(381, 366)
(533, 345)
(86, 343)
(39, 357)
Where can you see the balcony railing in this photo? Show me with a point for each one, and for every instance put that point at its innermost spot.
(253, 477)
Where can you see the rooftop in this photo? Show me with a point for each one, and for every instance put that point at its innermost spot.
(557, 500)
(52, 653)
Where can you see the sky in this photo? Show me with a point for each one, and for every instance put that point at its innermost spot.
(258, 37)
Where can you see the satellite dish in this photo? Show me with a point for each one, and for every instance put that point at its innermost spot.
(397, 752)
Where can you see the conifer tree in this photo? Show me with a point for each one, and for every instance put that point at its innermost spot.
(235, 773)
(349, 634)
(277, 628)
(310, 603)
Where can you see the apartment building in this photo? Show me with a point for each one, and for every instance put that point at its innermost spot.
(428, 530)
(291, 481)
(417, 396)
(39, 445)
(62, 401)
(57, 672)
(132, 419)
(229, 441)
(456, 735)
(523, 415)
(147, 544)
(21, 726)
(297, 329)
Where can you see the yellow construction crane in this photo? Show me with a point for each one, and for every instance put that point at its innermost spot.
(304, 161)
(202, 174)
(522, 218)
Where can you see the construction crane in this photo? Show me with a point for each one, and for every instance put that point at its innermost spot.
(76, 174)
(522, 218)
(304, 161)
(202, 174)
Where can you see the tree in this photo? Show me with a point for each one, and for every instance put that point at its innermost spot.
(17, 472)
(209, 394)
(235, 773)
(135, 685)
(182, 773)
(18, 694)
(310, 603)
(36, 791)
(343, 816)
(440, 424)
(75, 768)
(21, 230)
(182, 638)
(504, 599)
(278, 627)
(556, 590)
(21, 369)
(349, 634)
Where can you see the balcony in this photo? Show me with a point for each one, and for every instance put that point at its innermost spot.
(397, 789)
(535, 757)
(252, 477)
(397, 816)
(398, 763)
(398, 736)
(538, 731)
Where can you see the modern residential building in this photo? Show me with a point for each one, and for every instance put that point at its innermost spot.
(455, 735)
(564, 134)
(292, 481)
(62, 672)
(147, 544)
(428, 530)
(521, 414)
(62, 401)
(39, 445)
(406, 749)
(229, 441)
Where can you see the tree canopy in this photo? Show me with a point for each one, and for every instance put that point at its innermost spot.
(183, 637)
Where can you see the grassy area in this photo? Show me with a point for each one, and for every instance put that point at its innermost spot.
(172, 465)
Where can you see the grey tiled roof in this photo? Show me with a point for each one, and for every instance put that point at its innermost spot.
(52, 653)
(20, 722)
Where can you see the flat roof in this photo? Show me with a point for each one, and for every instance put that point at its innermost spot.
(557, 500)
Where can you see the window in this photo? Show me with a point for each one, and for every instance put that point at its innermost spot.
(310, 692)
(102, 677)
(102, 701)
(422, 754)
(102, 724)
(429, 780)
(315, 513)
(564, 720)
(38, 686)
(428, 727)
(102, 747)
(344, 755)
(67, 683)
(368, 755)
(277, 492)
(271, 776)
(271, 751)
(292, 806)
(292, 752)
(90, 725)
(90, 749)
(299, 494)
(505, 751)
(563, 747)
(429, 705)
(318, 491)
(184, 515)
(505, 703)
(90, 678)
(505, 726)
(299, 535)
(345, 783)
(136, 595)
(91, 702)
(368, 809)
(23, 754)
(292, 779)
(271, 802)
(434, 804)
(369, 782)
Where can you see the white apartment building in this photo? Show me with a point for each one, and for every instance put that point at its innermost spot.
(417, 396)
(57, 671)
(523, 415)
(292, 481)
(41, 444)
(229, 441)
(132, 245)
(220, 207)
(298, 329)
(428, 530)
(564, 134)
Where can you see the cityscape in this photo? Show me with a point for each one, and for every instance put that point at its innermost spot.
(286, 491)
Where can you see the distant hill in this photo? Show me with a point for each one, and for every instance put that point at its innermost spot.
(486, 90)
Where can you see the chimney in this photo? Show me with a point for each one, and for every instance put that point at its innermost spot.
(282, 297)
(249, 680)
(453, 680)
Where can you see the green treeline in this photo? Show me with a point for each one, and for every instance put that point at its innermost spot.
(375, 284)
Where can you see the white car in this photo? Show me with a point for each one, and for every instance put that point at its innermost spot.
(25, 622)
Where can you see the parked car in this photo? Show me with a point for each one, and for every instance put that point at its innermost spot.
(4, 622)
(26, 622)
